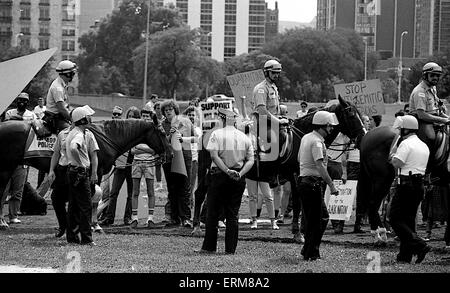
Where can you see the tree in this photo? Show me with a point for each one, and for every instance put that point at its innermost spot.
(174, 58)
(117, 36)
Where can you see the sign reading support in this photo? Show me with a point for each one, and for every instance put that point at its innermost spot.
(366, 95)
(340, 206)
(209, 113)
(242, 85)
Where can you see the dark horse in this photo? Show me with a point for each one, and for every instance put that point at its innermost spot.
(287, 166)
(377, 175)
(114, 137)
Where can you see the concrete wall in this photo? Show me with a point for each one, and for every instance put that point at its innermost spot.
(106, 103)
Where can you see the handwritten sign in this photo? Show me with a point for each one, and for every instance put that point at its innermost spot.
(242, 85)
(209, 113)
(366, 95)
(340, 206)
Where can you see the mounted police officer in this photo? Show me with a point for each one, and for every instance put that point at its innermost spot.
(411, 160)
(425, 104)
(57, 115)
(232, 155)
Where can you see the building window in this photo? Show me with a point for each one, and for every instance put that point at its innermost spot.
(43, 44)
(68, 32)
(44, 13)
(44, 29)
(24, 12)
(68, 45)
(25, 29)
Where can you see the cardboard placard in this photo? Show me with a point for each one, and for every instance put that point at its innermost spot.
(340, 206)
(242, 85)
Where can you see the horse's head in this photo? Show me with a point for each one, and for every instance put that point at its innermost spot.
(350, 122)
(155, 137)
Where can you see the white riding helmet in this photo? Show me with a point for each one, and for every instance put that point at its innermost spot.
(409, 122)
(98, 194)
(431, 67)
(81, 112)
(324, 118)
(66, 66)
(272, 65)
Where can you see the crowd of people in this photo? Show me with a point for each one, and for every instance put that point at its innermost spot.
(209, 171)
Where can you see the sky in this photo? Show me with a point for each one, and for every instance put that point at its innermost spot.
(295, 10)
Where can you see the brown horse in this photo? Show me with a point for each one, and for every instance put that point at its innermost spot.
(114, 138)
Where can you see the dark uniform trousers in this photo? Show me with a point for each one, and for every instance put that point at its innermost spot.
(316, 214)
(224, 194)
(120, 175)
(404, 206)
(80, 206)
(60, 196)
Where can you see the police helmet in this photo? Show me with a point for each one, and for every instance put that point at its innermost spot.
(66, 66)
(272, 65)
(24, 96)
(81, 112)
(409, 122)
(431, 67)
(325, 118)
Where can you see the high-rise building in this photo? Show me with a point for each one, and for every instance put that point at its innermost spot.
(272, 22)
(229, 27)
(44, 24)
(381, 30)
(432, 27)
(427, 23)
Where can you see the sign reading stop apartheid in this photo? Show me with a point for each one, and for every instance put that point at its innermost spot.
(366, 95)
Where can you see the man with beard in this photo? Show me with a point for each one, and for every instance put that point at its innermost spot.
(19, 176)
(57, 116)
(425, 104)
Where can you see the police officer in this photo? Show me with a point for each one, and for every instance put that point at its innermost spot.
(82, 175)
(265, 94)
(232, 155)
(57, 175)
(425, 104)
(57, 115)
(411, 160)
(313, 174)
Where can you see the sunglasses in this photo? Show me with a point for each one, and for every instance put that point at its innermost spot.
(117, 114)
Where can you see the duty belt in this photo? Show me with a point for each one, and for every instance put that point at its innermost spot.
(79, 169)
(416, 178)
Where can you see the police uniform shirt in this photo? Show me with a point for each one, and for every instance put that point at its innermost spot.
(424, 97)
(60, 146)
(26, 115)
(86, 142)
(266, 93)
(56, 93)
(312, 148)
(414, 153)
(39, 111)
(301, 113)
(233, 146)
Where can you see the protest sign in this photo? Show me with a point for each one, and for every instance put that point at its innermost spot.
(366, 95)
(340, 206)
(242, 85)
(209, 113)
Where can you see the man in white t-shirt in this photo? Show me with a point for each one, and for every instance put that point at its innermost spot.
(40, 108)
